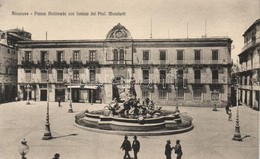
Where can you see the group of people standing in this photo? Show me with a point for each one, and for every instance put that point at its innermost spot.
(177, 150)
(126, 146)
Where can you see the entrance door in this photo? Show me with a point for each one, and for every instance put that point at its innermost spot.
(92, 94)
(43, 95)
(60, 94)
(75, 95)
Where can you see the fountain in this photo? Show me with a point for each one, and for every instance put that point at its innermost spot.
(133, 118)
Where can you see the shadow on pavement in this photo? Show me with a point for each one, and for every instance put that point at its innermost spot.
(64, 136)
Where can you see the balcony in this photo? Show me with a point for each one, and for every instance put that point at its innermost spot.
(76, 64)
(60, 64)
(28, 64)
(92, 64)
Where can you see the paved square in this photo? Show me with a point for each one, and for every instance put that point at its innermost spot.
(211, 137)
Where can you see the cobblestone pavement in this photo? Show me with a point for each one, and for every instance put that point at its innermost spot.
(211, 137)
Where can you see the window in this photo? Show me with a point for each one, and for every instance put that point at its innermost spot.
(145, 55)
(92, 75)
(197, 54)
(197, 91)
(214, 54)
(76, 56)
(197, 76)
(28, 75)
(145, 76)
(214, 76)
(59, 75)
(60, 56)
(28, 56)
(116, 55)
(162, 76)
(145, 94)
(92, 55)
(179, 54)
(43, 75)
(122, 54)
(162, 94)
(75, 74)
(44, 56)
(163, 55)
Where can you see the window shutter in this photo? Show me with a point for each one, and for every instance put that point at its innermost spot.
(98, 70)
(151, 70)
(79, 56)
(65, 71)
(186, 70)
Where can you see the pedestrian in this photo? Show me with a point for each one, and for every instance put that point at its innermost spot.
(229, 115)
(168, 150)
(126, 145)
(227, 108)
(59, 100)
(136, 147)
(178, 150)
(56, 156)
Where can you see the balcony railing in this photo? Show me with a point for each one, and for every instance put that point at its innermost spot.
(119, 62)
(76, 64)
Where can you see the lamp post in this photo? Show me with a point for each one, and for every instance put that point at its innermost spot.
(28, 89)
(23, 149)
(70, 73)
(214, 93)
(237, 135)
(47, 133)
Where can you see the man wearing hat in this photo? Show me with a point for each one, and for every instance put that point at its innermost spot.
(168, 150)
(126, 145)
(135, 146)
(178, 149)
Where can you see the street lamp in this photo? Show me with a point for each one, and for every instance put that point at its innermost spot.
(237, 135)
(70, 73)
(23, 149)
(28, 89)
(47, 133)
(214, 99)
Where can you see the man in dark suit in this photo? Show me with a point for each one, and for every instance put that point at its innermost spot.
(135, 146)
(168, 150)
(126, 145)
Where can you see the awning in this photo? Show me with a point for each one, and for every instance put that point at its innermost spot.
(83, 87)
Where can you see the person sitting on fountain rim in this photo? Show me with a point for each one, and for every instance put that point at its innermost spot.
(147, 101)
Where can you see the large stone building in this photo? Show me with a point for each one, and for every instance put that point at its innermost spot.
(249, 72)
(192, 71)
(8, 62)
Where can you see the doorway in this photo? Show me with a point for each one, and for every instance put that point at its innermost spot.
(75, 95)
(43, 95)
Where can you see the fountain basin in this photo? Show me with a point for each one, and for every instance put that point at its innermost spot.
(168, 123)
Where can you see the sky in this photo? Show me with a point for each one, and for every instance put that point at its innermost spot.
(166, 18)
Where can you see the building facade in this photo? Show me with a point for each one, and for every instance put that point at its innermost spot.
(188, 72)
(249, 70)
(8, 62)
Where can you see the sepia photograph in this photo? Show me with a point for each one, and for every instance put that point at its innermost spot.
(131, 79)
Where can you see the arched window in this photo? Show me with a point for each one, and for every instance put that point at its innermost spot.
(116, 54)
(122, 54)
